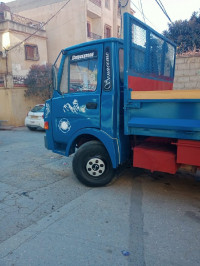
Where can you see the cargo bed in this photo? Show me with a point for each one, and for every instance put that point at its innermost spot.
(174, 114)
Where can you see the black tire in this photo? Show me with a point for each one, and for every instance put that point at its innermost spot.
(32, 128)
(92, 165)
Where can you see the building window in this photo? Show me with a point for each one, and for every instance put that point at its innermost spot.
(107, 31)
(1, 81)
(88, 29)
(118, 32)
(107, 4)
(1, 16)
(119, 11)
(31, 52)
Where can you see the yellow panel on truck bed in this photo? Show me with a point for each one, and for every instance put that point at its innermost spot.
(165, 94)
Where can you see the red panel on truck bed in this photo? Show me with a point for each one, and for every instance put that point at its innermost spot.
(155, 157)
(188, 152)
(146, 84)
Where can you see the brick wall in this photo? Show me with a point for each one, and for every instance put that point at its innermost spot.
(187, 73)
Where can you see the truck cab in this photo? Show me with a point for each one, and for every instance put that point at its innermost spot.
(87, 104)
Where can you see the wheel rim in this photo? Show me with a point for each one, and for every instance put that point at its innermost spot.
(95, 167)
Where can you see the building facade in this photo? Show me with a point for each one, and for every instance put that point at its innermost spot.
(17, 51)
(24, 41)
(20, 47)
(77, 21)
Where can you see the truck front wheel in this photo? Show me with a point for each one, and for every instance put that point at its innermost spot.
(92, 165)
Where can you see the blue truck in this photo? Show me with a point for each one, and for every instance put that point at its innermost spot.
(113, 101)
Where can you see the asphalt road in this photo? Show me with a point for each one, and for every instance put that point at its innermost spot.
(48, 218)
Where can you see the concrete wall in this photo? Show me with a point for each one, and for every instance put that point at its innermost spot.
(65, 29)
(2, 65)
(187, 73)
(14, 106)
(21, 66)
(14, 63)
(69, 27)
(20, 5)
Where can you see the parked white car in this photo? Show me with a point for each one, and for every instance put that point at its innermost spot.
(35, 118)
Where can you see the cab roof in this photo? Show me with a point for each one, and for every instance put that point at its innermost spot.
(95, 42)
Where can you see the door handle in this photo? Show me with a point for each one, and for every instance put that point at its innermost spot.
(91, 105)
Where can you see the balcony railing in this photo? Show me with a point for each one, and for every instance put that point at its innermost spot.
(19, 81)
(26, 21)
(96, 2)
(94, 36)
(1, 81)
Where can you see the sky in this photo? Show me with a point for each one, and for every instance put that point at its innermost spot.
(176, 9)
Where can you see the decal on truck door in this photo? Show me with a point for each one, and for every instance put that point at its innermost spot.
(107, 79)
(64, 125)
(75, 108)
(83, 56)
(47, 111)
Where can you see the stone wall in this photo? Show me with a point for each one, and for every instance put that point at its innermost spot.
(187, 73)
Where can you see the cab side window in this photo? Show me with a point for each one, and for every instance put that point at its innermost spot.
(64, 79)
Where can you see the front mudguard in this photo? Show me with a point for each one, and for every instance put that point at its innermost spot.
(111, 144)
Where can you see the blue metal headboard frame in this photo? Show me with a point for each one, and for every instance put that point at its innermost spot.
(147, 53)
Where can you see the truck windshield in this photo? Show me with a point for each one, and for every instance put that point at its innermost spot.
(79, 74)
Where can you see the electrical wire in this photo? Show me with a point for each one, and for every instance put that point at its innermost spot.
(123, 5)
(163, 9)
(141, 13)
(160, 4)
(18, 44)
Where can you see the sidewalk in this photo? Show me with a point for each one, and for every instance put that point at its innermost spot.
(2, 127)
(48, 218)
(79, 233)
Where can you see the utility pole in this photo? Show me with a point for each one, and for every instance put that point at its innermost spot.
(124, 6)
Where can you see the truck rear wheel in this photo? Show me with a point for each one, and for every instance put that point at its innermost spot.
(92, 165)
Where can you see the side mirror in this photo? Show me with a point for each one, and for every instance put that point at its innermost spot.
(54, 77)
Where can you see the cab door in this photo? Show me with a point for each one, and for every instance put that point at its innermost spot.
(77, 105)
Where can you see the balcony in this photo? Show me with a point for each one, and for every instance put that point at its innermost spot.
(26, 21)
(94, 36)
(1, 80)
(94, 9)
(96, 2)
(18, 81)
